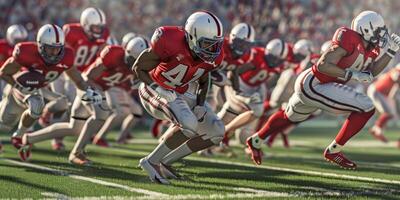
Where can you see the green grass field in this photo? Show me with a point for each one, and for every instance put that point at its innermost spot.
(299, 172)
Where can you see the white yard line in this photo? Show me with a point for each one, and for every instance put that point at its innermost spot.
(298, 171)
(92, 180)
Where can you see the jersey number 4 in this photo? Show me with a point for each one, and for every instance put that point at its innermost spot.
(176, 75)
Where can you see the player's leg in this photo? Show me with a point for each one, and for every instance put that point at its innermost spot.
(210, 132)
(129, 122)
(385, 110)
(178, 112)
(100, 113)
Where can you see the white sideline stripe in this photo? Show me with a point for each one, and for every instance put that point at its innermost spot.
(298, 171)
(92, 180)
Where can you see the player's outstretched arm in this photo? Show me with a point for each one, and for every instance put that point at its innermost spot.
(77, 78)
(327, 64)
(94, 71)
(9, 68)
(146, 62)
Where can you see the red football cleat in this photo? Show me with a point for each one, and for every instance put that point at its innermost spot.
(24, 152)
(16, 142)
(57, 145)
(378, 134)
(100, 142)
(339, 159)
(256, 153)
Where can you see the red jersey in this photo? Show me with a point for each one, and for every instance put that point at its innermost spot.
(290, 54)
(386, 82)
(86, 50)
(262, 71)
(27, 55)
(117, 71)
(177, 67)
(5, 51)
(357, 58)
(230, 63)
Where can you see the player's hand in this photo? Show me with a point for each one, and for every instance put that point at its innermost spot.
(24, 90)
(168, 95)
(393, 45)
(92, 96)
(363, 77)
(200, 112)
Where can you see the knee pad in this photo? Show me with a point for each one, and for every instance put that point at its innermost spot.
(294, 116)
(189, 126)
(35, 106)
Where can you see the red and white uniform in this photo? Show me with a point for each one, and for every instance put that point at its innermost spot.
(15, 103)
(178, 71)
(230, 63)
(114, 81)
(117, 71)
(5, 51)
(315, 90)
(86, 50)
(177, 68)
(380, 91)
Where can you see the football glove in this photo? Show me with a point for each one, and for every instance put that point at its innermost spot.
(166, 94)
(92, 96)
(393, 45)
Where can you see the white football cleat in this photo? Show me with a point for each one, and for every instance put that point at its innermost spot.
(169, 172)
(151, 170)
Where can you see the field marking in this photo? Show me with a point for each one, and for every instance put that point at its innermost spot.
(298, 171)
(92, 180)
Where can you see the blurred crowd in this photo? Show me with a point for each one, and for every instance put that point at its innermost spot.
(288, 19)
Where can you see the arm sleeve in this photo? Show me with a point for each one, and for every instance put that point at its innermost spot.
(159, 43)
(343, 38)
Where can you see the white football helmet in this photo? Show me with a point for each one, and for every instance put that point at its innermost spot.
(302, 49)
(276, 52)
(241, 38)
(371, 26)
(93, 22)
(50, 40)
(134, 48)
(127, 37)
(204, 34)
(325, 46)
(16, 33)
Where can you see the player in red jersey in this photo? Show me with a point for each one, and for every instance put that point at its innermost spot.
(383, 93)
(303, 58)
(15, 34)
(111, 68)
(49, 58)
(352, 56)
(86, 38)
(175, 73)
(116, 84)
(248, 98)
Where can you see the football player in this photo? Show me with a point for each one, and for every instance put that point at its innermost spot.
(86, 38)
(111, 68)
(304, 57)
(23, 104)
(175, 75)
(15, 34)
(127, 37)
(245, 103)
(383, 93)
(125, 108)
(353, 55)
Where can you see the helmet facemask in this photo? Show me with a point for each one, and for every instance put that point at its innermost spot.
(52, 54)
(380, 36)
(240, 46)
(129, 60)
(208, 49)
(272, 60)
(97, 30)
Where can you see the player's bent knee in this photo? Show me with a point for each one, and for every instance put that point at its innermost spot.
(215, 132)
(35, 106)
(189, 126)
(295, 116)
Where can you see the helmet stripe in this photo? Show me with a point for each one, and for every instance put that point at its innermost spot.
(98, 12)
(249, 31)
(145, 42)
(56, 32)
(216, 22)
(283, 47)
